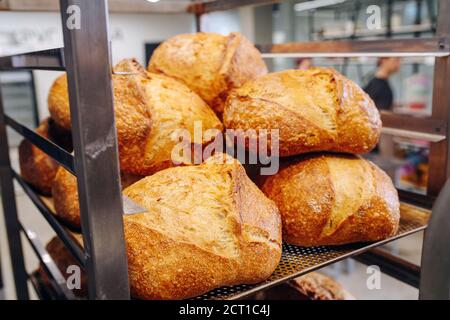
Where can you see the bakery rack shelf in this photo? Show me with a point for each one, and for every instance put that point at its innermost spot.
(297, 261)
(53, 150)
(95, 145)
(48, 215)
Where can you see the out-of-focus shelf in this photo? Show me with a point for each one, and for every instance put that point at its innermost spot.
(362, 33)
(424, 47)
(115, 6)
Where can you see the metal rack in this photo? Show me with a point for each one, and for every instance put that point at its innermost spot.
(95, 143)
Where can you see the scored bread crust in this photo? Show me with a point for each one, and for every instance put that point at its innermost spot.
(333, 200)
(65, 195)
(207, 226)
(151, 110)
(36, 167)
(209, 63)
(314, 110)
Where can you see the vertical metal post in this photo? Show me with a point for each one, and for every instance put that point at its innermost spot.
(10, 212)
(435, 267)
(88, 63)
(439, 152)
(198, 22)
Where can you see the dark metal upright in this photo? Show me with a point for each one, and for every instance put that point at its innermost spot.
(89, 70)
(10, 212)
(435, 269)
(440, 152)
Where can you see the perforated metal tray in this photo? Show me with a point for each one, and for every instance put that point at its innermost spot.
(296, 261)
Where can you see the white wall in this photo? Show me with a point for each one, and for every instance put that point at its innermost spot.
(23, 31)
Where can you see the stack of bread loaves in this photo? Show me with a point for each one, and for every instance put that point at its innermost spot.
(209, 225)
(202, 229)
(323, 198)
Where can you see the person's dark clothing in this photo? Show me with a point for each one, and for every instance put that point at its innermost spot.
(381, 93)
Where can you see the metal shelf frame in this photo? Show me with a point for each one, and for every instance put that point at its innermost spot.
(95, 145)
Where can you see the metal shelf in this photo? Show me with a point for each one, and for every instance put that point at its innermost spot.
(434, 47)
(297, 261)
(60, 155)
(115, 6)
(52, 59)
(45, 207)
(48, 265)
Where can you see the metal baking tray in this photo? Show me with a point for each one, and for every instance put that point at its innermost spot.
(297, 261)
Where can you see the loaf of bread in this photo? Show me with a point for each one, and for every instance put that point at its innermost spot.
(63, 260)
(311, 286)
(210, 64)
(36, 167)
(317, 286)
(65, 195)
(314, 110)
(207, 226)
(151, 110)
(333, 200)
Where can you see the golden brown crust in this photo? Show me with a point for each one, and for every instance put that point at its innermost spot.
(314, 110)
(65, 195)
(150, 111)
(207, 226)
(317, 286)
(36, 167)
(334, 199)
(311, 286)
(209, 63)
(63, 259)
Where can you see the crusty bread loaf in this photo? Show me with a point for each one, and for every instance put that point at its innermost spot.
(314, 110)
(63, 259)
(210, 64)
(150, 110)
(317, 286)
(207, 226)
(334, 199)
(36, 167)
(311, 286)
(65, 195)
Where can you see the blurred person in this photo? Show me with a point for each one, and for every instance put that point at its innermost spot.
(378, 87)
(304, 63)
(382, 95)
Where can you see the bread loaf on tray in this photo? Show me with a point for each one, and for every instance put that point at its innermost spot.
(151, 110)
(311, 286)
(36, 167)
(206, 226)
(333, 200)
(314, 110)
(65, 195)
(209, 63)
(63, 259)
